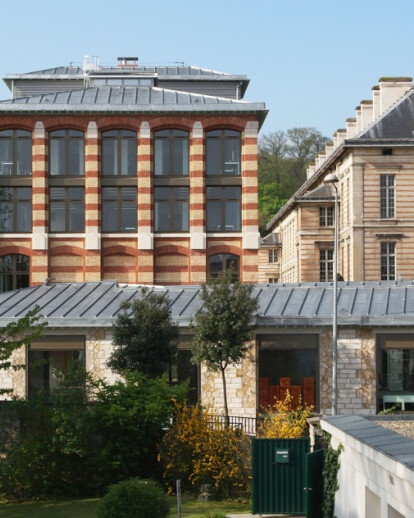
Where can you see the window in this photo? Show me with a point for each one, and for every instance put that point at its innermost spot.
(326, 265)
(15, 153)
(119, 209)
(15, 271)
(387, 196)
(273, 256)
(388, 261)
(171, 209)
(15, 209)
(171, 153)
(49, 358)
(326, 217)
(223, 209)
(182, 369)
(272, 280)
(67, 156)
(219, 263)
(223, 152)
(119, 153)
(67, 209)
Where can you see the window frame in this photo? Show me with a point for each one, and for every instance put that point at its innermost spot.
(223, 199)
(171, 201)
(387, 196)
(14, 273)
(67, 209)
(119, 138)
(172, 135)
(326, 260)
(16, 136)
(225, 257)
(67, 138)
(273, 255)
(225, 136)
(388, 260)
(120, 202)
(16, 204)
(326, 216)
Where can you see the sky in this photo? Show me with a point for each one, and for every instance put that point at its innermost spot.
(310, 61)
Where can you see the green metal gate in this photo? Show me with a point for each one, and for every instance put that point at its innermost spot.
(282, 481)
(314, 483)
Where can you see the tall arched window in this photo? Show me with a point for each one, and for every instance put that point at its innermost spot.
(171, 153)
(67, 153)
(15, 152)
(119, 153)
(223, 152)
(14, 272)
(219, 263)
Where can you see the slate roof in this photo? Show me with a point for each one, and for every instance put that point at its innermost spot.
(325, 192)
(96, 304)
(379, 438)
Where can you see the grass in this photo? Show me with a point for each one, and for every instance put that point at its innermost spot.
(190, 507)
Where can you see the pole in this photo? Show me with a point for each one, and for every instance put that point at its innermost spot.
(334, 313)
(178, 485)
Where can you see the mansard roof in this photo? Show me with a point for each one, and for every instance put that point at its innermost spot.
(97, 304)
(324, 192)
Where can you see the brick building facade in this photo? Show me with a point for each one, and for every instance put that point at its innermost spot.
(141, 174)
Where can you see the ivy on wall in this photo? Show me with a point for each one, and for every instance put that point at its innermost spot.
(330, 478)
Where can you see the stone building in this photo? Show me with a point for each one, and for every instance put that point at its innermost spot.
(143, 174)
(373, 159)
(292, 348)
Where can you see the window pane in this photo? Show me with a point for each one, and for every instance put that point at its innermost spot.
(181, 216)
(161, 157)
(109, 157)
(6, 263)
(76, 216)
(129, 193)
(76, 193)
(180, 157)
(214, 216)
(24, 217)
(6, 157)
(57, 157)
(213, 157)
(22, 263)
(128, 216)
(129, 157)
(162, 216)
(6, 282)
(161, 193)
(24, 156)
(109, 193)
(22, 281)
(76, 157)
(232, 215)
(109, 216)
(6, 216)
(232, 157)
(57, 216)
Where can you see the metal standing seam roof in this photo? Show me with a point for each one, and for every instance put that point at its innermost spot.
(96, 304)
(386, 441)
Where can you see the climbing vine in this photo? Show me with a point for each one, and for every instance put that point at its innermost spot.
(330, 478)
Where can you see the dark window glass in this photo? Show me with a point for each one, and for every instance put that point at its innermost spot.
(119, 209)
(171, 209)
(46, 367)
(326, 216)
(15, 272)
(223, 209)
(67, 153)
(67, 209)
(15, 209)
(15, 153)
(223, 152)
(182, 369)
(171, 153)
(388, 261)
(220, 263)
(387, 195)
(326, 265)
(119, 153)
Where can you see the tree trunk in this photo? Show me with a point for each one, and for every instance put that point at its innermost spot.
(226, 408)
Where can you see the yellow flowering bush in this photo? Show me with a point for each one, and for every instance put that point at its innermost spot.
(199, 449)
(284, 420)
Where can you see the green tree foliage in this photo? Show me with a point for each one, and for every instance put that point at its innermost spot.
(224, 326)
(283, 158)
(84, 436)
(18, 334)
(143, 335)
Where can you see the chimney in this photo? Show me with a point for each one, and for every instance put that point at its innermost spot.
(310, 170)
(339, 137)
(376, 95)
(351, 128)
(366, 114)
(329, 149)
(392, 89)
(358, 119)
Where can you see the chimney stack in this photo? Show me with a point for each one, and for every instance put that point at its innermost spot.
(392, 89)
(366, 114)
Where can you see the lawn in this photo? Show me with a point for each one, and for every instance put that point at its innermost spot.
(191, 508)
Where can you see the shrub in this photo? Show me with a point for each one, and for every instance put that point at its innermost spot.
(283, 420)
(198, 449)
(134, 498)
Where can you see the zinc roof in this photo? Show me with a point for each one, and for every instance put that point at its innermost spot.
(96, 304)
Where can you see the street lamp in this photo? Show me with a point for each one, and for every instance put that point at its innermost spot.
(333, 180)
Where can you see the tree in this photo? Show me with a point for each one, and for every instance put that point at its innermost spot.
(143, 335)
(18, 334)
(224, 326)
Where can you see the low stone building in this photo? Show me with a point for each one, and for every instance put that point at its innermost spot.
(292, 348)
